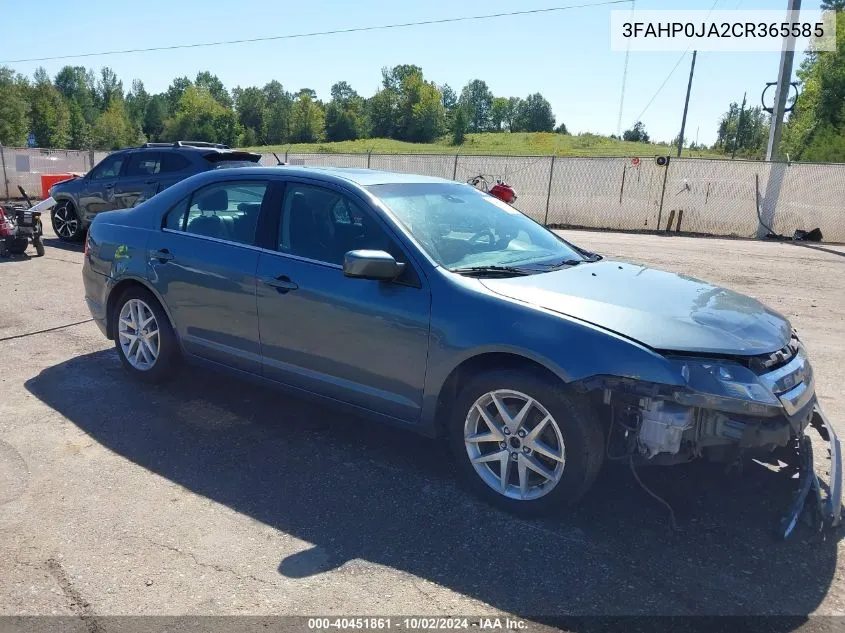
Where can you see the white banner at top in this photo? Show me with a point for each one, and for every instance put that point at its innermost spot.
(727, 31)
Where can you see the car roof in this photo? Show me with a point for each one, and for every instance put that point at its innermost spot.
(356, 175)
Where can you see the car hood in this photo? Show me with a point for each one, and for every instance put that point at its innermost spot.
(662, 310)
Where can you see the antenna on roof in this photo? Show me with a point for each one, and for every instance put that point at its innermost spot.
(279, 161)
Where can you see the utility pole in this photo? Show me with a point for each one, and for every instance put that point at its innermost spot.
(686, 105)
(739, 125)
(784, 76)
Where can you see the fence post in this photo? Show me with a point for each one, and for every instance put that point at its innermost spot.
(455, 168)
(369, 153)
(662, 195)
(287, 149)
(5, 179)
(549, 192)
(91, 158)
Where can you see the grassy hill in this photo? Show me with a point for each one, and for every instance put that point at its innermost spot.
(503, 143)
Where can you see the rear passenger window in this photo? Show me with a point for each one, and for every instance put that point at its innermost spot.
(143, 164)
(226, 211)
(175, 218)
(171, 162)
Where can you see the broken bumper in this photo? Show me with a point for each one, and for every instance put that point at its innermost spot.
(829, 511)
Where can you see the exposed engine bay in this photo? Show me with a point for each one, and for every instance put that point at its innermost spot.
(735, 408)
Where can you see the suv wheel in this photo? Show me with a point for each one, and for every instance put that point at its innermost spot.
(66, 222)
(524, 443)
(144, 339)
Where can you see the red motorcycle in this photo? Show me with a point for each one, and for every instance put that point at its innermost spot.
(500, 190)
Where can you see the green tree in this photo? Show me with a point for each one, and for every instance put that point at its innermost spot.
(307, 120)
(112, 129)
(49, 116)
(382, 110)
(78, 84)
(199, 116)
(478, 101)
(155, 116)
(79, 131)
(561, 129)
(421, 108)
(109, 88)
(175, 91)
(137, 100)
(344, 114)
(636, 134)
(252, 112)
(818, 120)
(14, 108)
(511, 112)
(459, 126)
(215, 88)
(450, 99)
(534, 114)
(498, 113)
(279, 105)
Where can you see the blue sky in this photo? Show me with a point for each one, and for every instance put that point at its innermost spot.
(564, 55)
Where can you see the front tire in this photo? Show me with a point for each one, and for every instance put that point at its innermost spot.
(66, 223)
(524, 443)
(39, 246)
(145, 341)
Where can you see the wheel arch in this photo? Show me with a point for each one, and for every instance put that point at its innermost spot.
(117, 291)
(480, 362)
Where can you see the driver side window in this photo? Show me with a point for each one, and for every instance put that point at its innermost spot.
(323, 225)
(109, 167)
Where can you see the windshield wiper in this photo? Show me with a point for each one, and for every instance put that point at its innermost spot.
(492, 270)
(563, 263)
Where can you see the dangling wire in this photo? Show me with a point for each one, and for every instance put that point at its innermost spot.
(672, 523)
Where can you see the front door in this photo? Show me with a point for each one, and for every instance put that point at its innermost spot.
(359, 341)
(98, 190)
(203, 263)
(140, 181)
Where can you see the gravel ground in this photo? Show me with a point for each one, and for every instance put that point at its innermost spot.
(211, 496)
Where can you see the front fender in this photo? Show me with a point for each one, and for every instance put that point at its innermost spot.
(571, 349)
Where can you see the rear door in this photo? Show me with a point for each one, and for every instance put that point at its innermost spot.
(140, 180)
(203, 262)
(97, 193)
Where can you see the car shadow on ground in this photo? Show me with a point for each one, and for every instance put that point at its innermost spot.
(54, 242)
(358, 490)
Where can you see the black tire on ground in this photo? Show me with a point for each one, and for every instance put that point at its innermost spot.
(581, 431)
(39, 246)
(66, 223)
(169, 356)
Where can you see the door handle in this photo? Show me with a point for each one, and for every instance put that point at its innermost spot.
(150, 182)
(163, 255)
(111, 186)
(282, 283)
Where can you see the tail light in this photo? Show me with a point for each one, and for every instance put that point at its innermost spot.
(6, 226)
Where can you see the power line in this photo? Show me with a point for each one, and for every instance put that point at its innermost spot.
(674, 68)
(320, 33)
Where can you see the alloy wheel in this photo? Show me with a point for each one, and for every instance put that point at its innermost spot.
(515, 444)
(65, 222)
(138, 334)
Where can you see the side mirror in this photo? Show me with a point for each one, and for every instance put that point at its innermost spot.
(378, 265)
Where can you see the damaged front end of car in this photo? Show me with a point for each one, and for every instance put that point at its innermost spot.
(726, 409)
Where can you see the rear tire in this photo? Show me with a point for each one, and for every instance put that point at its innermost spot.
(66, 222)
(551, 454)
(145, 341)
(39, 246)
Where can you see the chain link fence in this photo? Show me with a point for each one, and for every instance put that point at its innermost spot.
(690, 195)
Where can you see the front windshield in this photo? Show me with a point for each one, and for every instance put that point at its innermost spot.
(461, 227)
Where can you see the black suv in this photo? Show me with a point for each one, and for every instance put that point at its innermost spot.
(127, 177)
